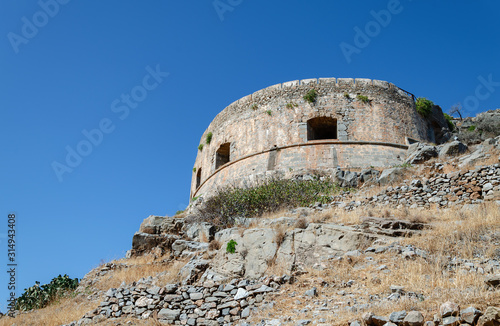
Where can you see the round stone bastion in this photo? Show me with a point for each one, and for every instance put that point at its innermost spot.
(344, 123)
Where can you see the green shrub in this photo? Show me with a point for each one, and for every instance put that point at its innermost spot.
(449, 121)
(200, 147)
(231, 246)
(363, 98)
(471, 128)
(271, 195)
(194, 170)
(209, 137)
(311, 96)
(424, 106)
(37, 296)
(291, 105)
(269, 112)
(346, 95)
(254, 107)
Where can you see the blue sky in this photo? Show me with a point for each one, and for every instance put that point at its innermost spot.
(144, 80)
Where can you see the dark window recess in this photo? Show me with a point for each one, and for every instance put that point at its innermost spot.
(321, 128)
(198, 178)
(222, 155)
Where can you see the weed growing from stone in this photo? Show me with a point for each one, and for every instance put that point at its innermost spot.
(311, 96)
(209, 137)
(424, 106)
(231, 246)
(363, 98)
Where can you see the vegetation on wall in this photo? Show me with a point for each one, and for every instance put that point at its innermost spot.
(347, 96)
(311, 96)
(269, 196)
(200, 147)
(194, 169)
(424, 106)
(269, 112)
(209, 137)
(291, 105)
(254, 107)
(363, 98)
(37, 296)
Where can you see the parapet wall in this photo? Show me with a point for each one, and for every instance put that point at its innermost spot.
(269, 130)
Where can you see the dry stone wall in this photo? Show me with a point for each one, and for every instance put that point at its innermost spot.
(271, 130)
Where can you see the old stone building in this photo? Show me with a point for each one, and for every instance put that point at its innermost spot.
(347, 123)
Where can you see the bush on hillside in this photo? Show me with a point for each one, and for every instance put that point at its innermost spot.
(37, 296)
(269, 196)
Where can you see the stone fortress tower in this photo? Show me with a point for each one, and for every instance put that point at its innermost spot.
(276, 131)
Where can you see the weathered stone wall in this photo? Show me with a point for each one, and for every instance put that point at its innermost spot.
(267, 130)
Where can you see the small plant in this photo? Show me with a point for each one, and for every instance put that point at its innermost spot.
(254, 107)
(301, 223)
(449, 121)
(209, 137)
(347, 96)
(404, 165)
(471, 128)
(194, 170)
(363, 98)
(269, 112)
(279, 235)
(424, 106)
(311, 96)
(179, 212)
(194, 198)
(231, 246)
(292, 105)
(200, 147)
(214, 245)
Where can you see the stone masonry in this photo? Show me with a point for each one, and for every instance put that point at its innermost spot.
(352, 123)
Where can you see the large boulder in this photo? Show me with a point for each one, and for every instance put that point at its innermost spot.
(161, 224)
(452, 149)
(422, 154)
(491, 317)
(390, 175)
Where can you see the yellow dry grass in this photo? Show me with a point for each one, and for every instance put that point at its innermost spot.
(60, 312)
(459, 233)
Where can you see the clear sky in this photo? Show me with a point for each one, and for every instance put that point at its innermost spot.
(132, 85)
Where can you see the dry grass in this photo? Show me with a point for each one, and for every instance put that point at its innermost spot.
(301, 223)
(463, 234)
(58, 313)
(214, 245)
(279, 234)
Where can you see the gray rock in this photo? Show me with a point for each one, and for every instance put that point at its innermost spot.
(453, 148)
(414, 318)
(397, 317)
(449, 309)
(390, 175)
(169, 314)
(491, 317)
(493, 280)
(450, 321)
(312, 292)
(470, 315)
(422, 154)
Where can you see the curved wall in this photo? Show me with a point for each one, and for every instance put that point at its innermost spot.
(268, 131)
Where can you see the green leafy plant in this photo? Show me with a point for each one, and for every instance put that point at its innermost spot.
(269, 112)
(449, 121)
(200, 147)
(311, 96)
(471, 128)
(363, 98)
(404, 165)
(194, 170)
(231, 246)
(194, 198)
(270, 195)
(179, 212)
(347, 96)
(292, 105)
(37, 296)
(209, 137)
(254, 107)
(424, 106)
